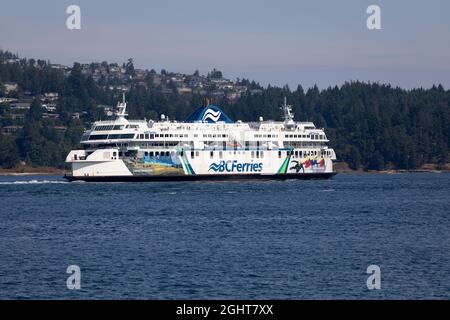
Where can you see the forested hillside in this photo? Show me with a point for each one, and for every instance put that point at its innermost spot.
(371, 126)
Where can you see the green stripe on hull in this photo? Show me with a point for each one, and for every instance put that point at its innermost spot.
(188, 167)
(284, 166)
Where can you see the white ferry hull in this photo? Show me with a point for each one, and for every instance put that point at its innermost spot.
(199, 165)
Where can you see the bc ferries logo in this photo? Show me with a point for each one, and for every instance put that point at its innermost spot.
(234, 166)
(211, 115)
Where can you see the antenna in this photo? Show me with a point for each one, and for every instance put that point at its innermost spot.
(287, 111)
(121, 108)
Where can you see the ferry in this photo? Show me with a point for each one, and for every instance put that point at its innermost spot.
(207, 145)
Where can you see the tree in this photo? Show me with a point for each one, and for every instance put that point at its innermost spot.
(35, 111)
(129, 68)
(9, 156)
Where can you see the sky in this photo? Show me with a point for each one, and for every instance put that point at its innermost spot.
(272, 42)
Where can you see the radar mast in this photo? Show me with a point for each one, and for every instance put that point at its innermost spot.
(122, 108)
(288, 114)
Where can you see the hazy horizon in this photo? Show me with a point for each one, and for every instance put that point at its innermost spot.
(284, 42)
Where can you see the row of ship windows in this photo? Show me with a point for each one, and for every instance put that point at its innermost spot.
(145, 136)
(116, 127)
(158, 154)
(181, 135)
(253, 154)
(307, 153)
(312, 136)
(111, 136)
(260, 153)
(224, 146)
(167, 135)
(266, 136)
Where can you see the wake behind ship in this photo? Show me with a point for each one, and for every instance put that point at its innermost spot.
(208, 145)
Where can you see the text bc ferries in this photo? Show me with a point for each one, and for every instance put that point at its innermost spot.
(208, 145)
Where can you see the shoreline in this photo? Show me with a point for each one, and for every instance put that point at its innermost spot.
(29, 171)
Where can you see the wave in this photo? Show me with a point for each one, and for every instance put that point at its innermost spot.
(214, 166)
(212, 115)
(31, 182)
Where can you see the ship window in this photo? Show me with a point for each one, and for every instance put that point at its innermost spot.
(195, 135)
(296, 154)
(167, 154)
(98, 137)
(127, 136)
(211, 154)
(197, 153)
(192, 154)
(279, 154)
(151, 154)
(262, 154)
(220, 154)
(146, 136)
(145, 154)
(185, 135)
